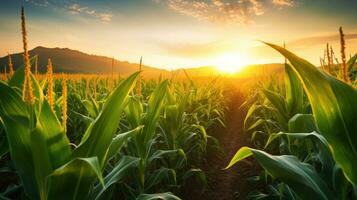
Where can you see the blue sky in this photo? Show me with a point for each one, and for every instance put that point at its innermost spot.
(182, 33)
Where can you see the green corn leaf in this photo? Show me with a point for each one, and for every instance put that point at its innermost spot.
(74, 179)
(334, 107)
(17, 80)
(176, 154)
(276, 100)
(120, 170)
(45, 141)
(134, 111)
(279, 104)
(155, 105)
(351, 62)
(58, 147)
(119, 140)
(161, 175)
(301, 177)
(195, 173)
(294, 92)
(159, 196)
(50, 146)
(4, 147)
(252, 109)
(256, 124)
(16, 121)
(302, 123)
(100, 134)
(312, 135)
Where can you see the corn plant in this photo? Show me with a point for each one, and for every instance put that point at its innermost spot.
(325, 169)
(41, 151)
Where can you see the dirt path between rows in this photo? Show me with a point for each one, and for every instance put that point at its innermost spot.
(232, 183)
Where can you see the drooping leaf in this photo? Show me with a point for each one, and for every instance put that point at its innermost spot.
(120, 170)
(312, 135)
(301, 177)
(74, 179)
(334, 107)
(302, 123)
(119, 140)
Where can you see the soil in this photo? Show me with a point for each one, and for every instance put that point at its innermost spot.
(231, 183)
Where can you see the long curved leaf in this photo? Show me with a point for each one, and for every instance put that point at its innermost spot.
(16, 121)
(155, 105)
(334, 107)
(98, 138)
(74, 179)
(120, 170)
(301, 177)
(294, 91)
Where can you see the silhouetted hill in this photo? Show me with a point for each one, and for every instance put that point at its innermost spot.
(72, 61)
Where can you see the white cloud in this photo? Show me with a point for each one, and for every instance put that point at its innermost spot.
(74, 8)
(77, 9)
(42, 3)
(224, 11)
(288, 3)
(105, 17)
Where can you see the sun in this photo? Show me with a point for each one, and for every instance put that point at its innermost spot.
(231, 63)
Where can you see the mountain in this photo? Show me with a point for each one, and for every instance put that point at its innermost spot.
(72, 61)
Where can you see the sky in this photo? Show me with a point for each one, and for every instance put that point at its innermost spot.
(183, 33)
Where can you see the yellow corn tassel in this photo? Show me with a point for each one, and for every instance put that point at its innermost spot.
(36, 66)
(27, 92)
(343, 56)
(50, 84)
(11, 66)
(139, 80)
(64, 102)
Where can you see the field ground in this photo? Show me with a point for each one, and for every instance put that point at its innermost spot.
(231, 183)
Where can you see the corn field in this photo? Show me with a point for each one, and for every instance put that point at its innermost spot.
(303, 131)
(80, 136)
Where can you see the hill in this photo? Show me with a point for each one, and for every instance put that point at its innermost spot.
(72, 61)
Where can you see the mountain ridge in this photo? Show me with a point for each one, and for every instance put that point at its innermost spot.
(74, 61)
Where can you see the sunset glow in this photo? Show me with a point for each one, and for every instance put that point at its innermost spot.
(231, 63)
(161, 99)
(182, 33)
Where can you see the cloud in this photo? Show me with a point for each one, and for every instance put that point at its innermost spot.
(42, 3)
(77, 9)
(287, 3)
(74, 8)
(105, 17)
(223, 11)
